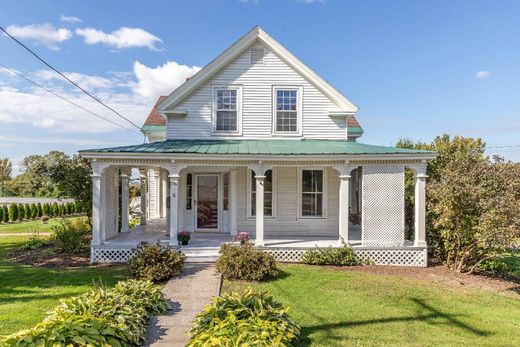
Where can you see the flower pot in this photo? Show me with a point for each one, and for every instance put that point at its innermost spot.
(184, 242)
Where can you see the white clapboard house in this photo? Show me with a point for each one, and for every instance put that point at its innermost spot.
(256, 141)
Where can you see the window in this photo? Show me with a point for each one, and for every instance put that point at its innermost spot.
(226, 110)
(226, 191)
(189, 190)
(268, 193)
(286, 111)
(312, 193)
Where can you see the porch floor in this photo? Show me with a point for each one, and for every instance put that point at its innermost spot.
(155, 231)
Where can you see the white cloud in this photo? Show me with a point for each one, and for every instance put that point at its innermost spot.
(161, 80)
(61, 140)
(121, 38)
(483, 74)
(46, 34)
(70, 19)
(87, 82)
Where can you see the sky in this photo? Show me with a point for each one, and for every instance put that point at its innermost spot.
(416, 69)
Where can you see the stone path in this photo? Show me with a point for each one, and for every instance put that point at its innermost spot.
(188, 294)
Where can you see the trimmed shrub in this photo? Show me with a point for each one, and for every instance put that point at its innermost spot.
(40, 211)
(244, 262)
(155, 263)
(21, 212)
(46, 209)
(27, 211)
(1, 214)
(72, 236)
(343, 256)
(249, 319)
(34, 211)
(5, 213)
(13, 212)
(100, 317)
(54, 209)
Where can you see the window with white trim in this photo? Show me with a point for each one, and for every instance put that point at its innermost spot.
(226, 112)
(268, 193)
(312, 187)
(286, 108)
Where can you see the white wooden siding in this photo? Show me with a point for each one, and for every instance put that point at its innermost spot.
(257, 81)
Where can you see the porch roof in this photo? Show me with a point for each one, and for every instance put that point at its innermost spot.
(259, 147)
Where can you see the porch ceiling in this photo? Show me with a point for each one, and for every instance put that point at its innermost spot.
(259, 147)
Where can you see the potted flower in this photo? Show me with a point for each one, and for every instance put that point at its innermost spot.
(242, 236)
(183, 237)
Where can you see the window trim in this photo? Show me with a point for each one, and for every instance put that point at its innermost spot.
(299, 110)
(299, 190)
(214, 90)
(249, 193)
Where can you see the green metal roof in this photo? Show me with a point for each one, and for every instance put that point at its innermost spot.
(154, 128)
(258, 147)
(355, 130)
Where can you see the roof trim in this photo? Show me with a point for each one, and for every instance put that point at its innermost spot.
(255, 34)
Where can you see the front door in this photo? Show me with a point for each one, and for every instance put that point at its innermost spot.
(206, 202)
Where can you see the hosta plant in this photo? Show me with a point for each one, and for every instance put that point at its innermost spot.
(247, 319)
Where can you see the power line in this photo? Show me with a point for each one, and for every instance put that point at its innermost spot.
(65, 99)
(68, 79)
(505, 146)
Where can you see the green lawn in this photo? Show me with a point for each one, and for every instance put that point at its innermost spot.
(27, 292)
(345, 308)
(29, 226)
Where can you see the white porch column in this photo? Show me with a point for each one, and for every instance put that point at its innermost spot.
(174, 204)
(233, 202)
(125, 179)
(343, 208)
(143, 200)
(164, 193)
(259, 170)
(420, 207)
(96, 208)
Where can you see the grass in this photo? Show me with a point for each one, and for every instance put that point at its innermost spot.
(28, 292)
(349, 308)
(29, 226)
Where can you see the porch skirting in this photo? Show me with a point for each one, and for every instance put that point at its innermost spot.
(391, 256)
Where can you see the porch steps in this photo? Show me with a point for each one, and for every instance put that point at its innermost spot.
(200, 254)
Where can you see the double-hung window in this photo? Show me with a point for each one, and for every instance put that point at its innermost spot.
(268, 194)
(312, 193)
(287, 114)
(227, 106)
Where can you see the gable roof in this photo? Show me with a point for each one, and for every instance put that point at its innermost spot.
(255, 35)
(155, 121)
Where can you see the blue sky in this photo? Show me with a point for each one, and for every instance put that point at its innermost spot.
(416, 69)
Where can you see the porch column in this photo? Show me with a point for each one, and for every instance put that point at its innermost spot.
(343, 208)
(164, 193)
(96, 209)
(125, 179)
(174, 204)
(259, 170)
(143, 200)
(420, 207)
(233, 202)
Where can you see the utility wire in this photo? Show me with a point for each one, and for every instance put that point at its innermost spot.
(68, 79)
(65, 99)
(505, 146)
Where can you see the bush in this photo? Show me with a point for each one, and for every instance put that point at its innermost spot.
(5, 214)
(1, 214)
(134, 222)
(250, 319)
(100, 317)
(13, 212)
(44, 219)
(72, 236)
(497, 266)
(34, 211)
(244, 262)
(343, 256)
(21, 212)
(28, 211)
(40, 211)
(33, 243)
(155, 263)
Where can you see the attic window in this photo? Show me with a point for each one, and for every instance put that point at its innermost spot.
(257, 55)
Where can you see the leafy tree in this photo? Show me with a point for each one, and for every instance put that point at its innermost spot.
(6, 169)
(13, 212)
(473, 210)
(5, 213)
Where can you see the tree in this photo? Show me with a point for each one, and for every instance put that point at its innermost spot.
(40, 211)
(6, 169)
(55, 209)
(13, 212)
(1, 214)
(5, 213)
(28, 212)
(473, 210)
(34, 211)
(21, 212)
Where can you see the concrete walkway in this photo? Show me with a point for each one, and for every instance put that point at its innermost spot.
(188, 294)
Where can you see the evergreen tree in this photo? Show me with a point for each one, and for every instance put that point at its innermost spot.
(46, 209)
(34, 211)
(55, 210)
(28, 212)
(1, 214)
(40, 211)
(5, 213)
(21, 212)
(13, 212)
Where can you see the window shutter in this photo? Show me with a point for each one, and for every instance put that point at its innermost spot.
(257, 55)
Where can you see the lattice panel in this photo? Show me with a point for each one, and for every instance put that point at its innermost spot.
(395, 257)
(383, 205)
(111, 255)
(286, 255)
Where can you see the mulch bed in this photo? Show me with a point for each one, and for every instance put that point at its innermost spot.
(442, 275)
(48, 256)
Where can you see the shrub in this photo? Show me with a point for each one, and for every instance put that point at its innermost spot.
(13, 212)
(46, 209)
(72, 236)
(155, 263)
(249, 319)
(40, 211)
(342, 256)
(244, 262)
(5, 214)
(33, 243)
(28, 211)
(134, 222)
(100, 317)
(497, 266)
(34, 211)
(1, 214)
(21, 212)
(44, 219)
